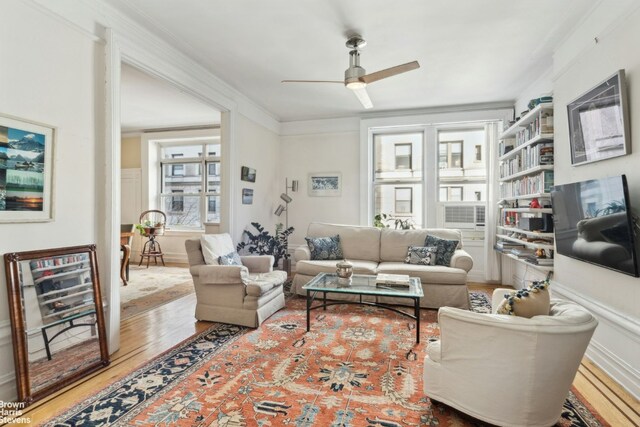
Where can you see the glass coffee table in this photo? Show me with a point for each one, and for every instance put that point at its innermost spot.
(362, 285)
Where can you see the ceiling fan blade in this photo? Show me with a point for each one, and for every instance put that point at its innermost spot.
(313, 81)
(363, 97)
(389, 72)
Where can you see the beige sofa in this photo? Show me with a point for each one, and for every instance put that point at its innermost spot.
(373, 250)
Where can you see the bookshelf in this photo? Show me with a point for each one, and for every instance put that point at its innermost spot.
(526, 157)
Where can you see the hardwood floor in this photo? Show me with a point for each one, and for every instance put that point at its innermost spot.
(148, 334)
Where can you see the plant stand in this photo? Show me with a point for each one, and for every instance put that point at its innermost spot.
(150, 250)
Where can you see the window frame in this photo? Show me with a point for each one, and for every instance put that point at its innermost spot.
(395, 201)
(449, 154)
(202, 163)
(410, 155)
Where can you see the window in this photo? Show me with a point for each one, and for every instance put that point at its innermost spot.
(404, 200)
(177, 170)
(478, 153)
(451, 194)
(397, 180)
(188, 196)
(403, 156)
(177, 202)
(478, 195)
(450, 155)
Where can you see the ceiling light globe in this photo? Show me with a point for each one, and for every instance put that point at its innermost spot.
(356, 85)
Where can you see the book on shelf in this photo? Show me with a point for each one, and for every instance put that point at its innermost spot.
(523, 252)
(508, 245)
(393, 280)
(539, 261)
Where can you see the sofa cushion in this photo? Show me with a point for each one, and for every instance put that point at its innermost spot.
(311, 268)
(445, 249)
(232, 258)
(261, 283)
(533, 301)
(325, 248)
(394, 243)
(357, 242)
(430, 274)
(421, 255)
(215, 246)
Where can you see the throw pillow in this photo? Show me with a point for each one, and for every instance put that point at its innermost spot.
(214, 246)
(445, 249)
(232, 258)
(421, 255)
(325, 248)
(533, 301)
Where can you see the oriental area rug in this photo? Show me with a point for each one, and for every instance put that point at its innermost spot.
(151, 287)
(359, 366)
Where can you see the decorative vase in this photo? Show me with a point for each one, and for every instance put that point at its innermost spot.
(344, 270)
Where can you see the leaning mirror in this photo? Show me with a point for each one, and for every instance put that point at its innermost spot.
(56, 313)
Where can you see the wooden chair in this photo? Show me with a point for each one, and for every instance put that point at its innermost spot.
(126, 236)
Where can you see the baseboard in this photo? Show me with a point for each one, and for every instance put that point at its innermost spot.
(622, 335)
(173, 257)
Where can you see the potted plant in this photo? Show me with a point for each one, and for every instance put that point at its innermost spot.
(263, 243)
(149, 228)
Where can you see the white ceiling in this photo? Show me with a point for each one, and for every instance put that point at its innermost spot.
(151, 103)
(470, 51)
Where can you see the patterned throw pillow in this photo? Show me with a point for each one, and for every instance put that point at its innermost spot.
(325, 248)
(421, 255)
(445, 249)
(232, 258)
(534, 301)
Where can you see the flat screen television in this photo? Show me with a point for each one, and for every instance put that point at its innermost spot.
(592, 223)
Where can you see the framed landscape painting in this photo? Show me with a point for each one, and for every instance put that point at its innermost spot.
(26, 155)
(327, 184)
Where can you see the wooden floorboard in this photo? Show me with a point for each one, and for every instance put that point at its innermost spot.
(148, 334)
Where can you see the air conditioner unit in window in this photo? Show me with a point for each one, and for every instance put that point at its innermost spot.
(463, 216)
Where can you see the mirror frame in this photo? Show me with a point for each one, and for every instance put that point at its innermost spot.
(18, 330)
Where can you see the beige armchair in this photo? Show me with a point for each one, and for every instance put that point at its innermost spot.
(507, 370)
(244, 294)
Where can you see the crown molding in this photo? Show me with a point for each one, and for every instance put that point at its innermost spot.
(153, 54)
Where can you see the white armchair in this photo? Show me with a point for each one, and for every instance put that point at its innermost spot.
(244, 294)
(507, 370)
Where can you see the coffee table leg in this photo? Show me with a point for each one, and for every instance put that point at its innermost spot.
(324, 301)
(417, 304)
(308, 310)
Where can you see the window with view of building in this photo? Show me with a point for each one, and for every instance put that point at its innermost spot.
(397, 178)
(460, 181)
(450, 154)
(404, 200)
(189, 197)
(403, 156)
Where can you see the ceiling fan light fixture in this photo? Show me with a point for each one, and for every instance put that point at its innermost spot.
(356, 85)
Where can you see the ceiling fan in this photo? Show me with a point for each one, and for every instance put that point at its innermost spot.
(356, 78)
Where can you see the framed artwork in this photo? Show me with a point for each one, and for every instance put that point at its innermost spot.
(247, 196)
(248, 174)
(599, 122)
(26, 171)
(327, 184)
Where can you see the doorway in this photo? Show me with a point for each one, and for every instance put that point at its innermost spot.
(170, 163)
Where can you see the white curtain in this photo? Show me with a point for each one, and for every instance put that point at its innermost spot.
(492, 271)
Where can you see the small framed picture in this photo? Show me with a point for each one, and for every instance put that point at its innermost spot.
(248, 174)
(247, 196)
(326, 184)
(599, 122)
(26, 171)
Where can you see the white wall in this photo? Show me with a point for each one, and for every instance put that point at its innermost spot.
(613, 297)
(321, 152)
(258, 148)
(56, 78)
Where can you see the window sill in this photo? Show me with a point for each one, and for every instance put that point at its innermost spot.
(178, 232)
